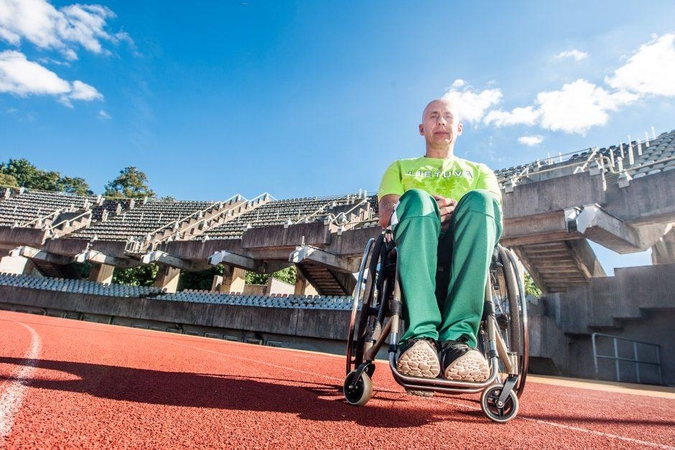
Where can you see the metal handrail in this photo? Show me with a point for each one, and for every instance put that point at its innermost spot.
(194, 214)
(617, 359)
(39, 219)
(53, 226)
(332, 218)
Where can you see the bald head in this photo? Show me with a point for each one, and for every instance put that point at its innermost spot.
(441, 104)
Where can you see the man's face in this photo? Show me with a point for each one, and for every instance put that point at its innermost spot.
(440, 124)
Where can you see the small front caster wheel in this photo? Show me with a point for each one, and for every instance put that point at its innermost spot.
(501, 413)
(358, 393)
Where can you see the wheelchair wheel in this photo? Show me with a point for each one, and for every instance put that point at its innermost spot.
(496, 411)
(366, 302)
(508, 295)
(358, 393)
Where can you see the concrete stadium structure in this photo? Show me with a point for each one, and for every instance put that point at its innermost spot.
(621, 197)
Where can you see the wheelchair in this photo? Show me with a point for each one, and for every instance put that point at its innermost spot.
(377, 316)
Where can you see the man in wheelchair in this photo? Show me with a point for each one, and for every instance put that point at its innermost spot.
(445, 216)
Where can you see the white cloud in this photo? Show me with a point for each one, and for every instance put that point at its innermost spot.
(63, 30)
(531, 141)
(21, 77)
(650, 71)
(578, 106)
(458, 83)
(471, 105)
(519, 116)
(82, 91)
(104, 115)
(576, 54)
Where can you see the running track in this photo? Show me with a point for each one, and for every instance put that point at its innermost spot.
(71, 384)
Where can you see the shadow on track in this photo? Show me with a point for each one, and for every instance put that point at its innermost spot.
(309, 400)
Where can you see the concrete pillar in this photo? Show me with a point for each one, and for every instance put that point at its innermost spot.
(16, 264)
(663, 252)
(217, 283)
(233, 280)
(167, 278)
(101, 273)
(303, 287)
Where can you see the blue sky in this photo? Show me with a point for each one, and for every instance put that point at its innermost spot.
(305, 98)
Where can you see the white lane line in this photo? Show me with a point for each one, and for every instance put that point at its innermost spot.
(569, 427)
(600, 433)
(12, 397)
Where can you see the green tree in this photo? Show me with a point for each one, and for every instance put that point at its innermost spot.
(143, 275)
(288, 275)
(8, 181)
(26, 174)
(75, 185)
(199, 280)
(530, 287)
(131, 183)
(46, 181)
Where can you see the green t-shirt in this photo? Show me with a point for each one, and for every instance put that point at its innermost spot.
(451, 178)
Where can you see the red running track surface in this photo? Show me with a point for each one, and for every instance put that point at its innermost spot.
(72, 384)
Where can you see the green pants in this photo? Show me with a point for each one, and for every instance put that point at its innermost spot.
(443, 274)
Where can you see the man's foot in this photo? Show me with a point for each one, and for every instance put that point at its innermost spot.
(463, 363)
(419, 358)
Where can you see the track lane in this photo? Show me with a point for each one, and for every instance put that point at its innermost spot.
(100, 386)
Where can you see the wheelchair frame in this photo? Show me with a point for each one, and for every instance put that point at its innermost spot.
(377, 315)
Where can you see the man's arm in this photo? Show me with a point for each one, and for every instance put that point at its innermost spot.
(386, 207)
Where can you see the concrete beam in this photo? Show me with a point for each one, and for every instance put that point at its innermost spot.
(172, 261)
(647, 200)
(613, 233)
(585, 258)
(41, 255)
(340, 263)
(98, 257)
(243, 262)
(547, 227)
(532, 199)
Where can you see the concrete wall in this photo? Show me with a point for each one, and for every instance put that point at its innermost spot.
(309, 323)
(638, 303)
(314, 233)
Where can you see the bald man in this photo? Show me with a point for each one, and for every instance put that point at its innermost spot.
(445, 215)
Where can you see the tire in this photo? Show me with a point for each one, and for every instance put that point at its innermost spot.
(360, 393)
(510, 311)
(365, 320)
(489, 403)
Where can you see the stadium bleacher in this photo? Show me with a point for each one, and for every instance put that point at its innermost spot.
(280, 212)
(191, 296)
(273, 301)
(27, 208)
(636, 158)
(76, 286)
(122, 220)
(127, 220)
(143, 219)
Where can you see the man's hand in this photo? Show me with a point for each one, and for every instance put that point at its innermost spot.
(447, 207)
